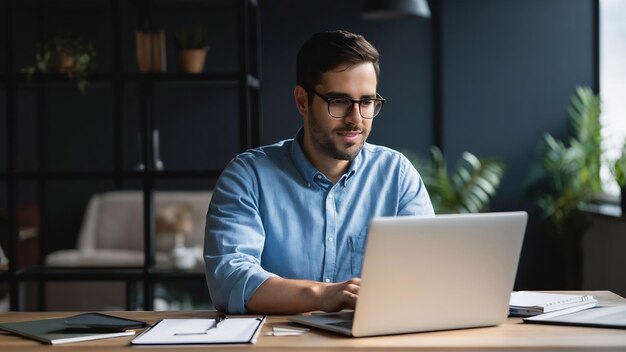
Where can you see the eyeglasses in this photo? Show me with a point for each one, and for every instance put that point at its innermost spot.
(340, 107)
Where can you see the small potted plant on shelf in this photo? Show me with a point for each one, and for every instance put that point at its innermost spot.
(192, 46)
(66, 54)
(619, 172)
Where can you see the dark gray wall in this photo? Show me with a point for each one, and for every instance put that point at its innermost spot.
(510, 68)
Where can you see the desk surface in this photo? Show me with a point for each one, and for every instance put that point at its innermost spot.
(511, 335)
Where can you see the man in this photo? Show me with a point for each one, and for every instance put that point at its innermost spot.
(287, 224)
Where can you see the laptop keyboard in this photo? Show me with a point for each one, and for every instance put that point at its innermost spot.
(342, 324)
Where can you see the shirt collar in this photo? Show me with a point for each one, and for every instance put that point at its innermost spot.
(308, 171)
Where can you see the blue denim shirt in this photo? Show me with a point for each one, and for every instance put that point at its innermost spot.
(273, 214)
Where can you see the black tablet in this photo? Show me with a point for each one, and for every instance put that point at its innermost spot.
(102, 321)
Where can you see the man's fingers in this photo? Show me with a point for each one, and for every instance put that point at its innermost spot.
(350, 293)
(354, 281)
(350, 299)
(353, 288)
(342, 295)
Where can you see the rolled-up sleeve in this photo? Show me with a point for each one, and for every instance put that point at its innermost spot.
(234, 239)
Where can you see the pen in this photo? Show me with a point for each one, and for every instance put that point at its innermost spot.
(218, 320)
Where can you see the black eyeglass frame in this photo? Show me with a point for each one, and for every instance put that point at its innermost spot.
(378, 98)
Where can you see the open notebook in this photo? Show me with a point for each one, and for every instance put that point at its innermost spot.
(201, 331)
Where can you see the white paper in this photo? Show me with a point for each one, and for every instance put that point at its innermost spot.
(565, 311)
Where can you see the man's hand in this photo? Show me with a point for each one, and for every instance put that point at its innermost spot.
(338, 296)
(285, 296)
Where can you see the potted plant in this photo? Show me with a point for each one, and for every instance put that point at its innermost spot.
(192, 47)
(565, 177)
(467, 190)
(66, 54)
(619, 172)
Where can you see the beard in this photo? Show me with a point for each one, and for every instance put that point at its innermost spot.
(324, 143)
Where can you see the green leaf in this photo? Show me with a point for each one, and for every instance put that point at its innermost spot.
(566, 175)
(47, 54)
(468, 189)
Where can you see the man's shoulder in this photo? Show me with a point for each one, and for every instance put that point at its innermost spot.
(382, 152)
(275, 151)
(379, 157)
(265, 161)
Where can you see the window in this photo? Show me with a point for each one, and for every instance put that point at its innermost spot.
(613, 82)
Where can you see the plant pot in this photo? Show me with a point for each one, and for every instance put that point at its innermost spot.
(191, 60)
(64, 63)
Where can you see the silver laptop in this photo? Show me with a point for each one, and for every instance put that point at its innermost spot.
(432, 273)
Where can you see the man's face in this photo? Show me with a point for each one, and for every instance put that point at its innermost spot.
(339, 138)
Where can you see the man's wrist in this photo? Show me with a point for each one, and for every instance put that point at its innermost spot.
(318, 290)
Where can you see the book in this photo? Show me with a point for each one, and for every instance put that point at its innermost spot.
(55, 331)
(159, 60)
(151, 51)
(529, 303)
(202, 331)
(156, 49)
(143, 49)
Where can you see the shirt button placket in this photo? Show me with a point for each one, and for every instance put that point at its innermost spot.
(331, 228)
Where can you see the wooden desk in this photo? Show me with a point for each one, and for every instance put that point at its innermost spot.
(512, 335)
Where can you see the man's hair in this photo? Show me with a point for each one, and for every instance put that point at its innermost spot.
(325, 51)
